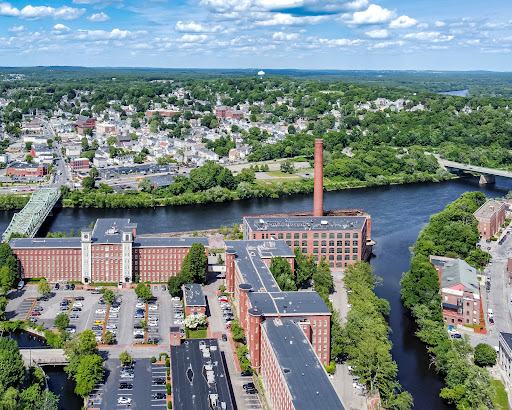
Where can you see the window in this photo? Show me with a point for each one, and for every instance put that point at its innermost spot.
(347, 236)
(339, 243)
(315, 250)
(296, 236)
(304, 243)
(295, 243)
(355, 236)
(339, 258)
(331, 257)
(289, 243)
(354, 257)
(331, 250)
(347, 258)
(331, 236)
(280, 236)
(467, 320)
(347, 243)
(315, 243)
(324, 250)
(339, 235)
(304, 250)
(339, 250)
(354, 250)
(331, 243)
(324, 236)
(324, 243)
(304, 236)
(355, 243)
(446, 298)
(331, 265)
(467, 304)
(288, 236)
(338, 264)
(315, 236)
(347, 250)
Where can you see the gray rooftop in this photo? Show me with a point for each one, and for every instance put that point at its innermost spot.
(197, 370)
(193, 295)
(457, 272)
(507, 337)
(488, 209)
(309, 223)
(170, 242)
(305, 376)
(288, 303)
(109, 230)
(45, 243)
(162, 180)
(249, 259)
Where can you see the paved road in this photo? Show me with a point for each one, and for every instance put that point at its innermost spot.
(474, 168)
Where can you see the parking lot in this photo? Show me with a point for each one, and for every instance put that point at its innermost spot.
(142, 386)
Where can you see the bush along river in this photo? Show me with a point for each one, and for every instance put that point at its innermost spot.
(398, 214)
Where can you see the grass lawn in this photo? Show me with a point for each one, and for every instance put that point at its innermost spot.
(280, 174)
(197, 334)
(499, 401)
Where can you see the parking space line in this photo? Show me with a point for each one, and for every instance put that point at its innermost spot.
(31, 307)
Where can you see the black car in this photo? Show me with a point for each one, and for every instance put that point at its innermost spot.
(125, 386)
(76, 309)
(57, 286)
(251, 391)
(246, 373)
(97, 327)
(159, 396)
(37, 309)
(72, 286)
(249, 386)
(79, 298)
(224, 337)
(138, 336)
(491, 320)
(159, 380)
(66, 287)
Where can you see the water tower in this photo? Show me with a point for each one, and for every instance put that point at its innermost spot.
(261, 73)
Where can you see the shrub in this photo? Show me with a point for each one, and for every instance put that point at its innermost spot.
(169, 388)
(331, 368)
(222, 288)
(153, 359)
(485, 355)
(169, 405)
(167, 362)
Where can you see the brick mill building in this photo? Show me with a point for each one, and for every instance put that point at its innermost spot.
(490, 217)
(193, 299)
(222, 111)
(24, 169)
(460, 291)
(111, 252)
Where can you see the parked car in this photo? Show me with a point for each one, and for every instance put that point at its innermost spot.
(224, 337)
(111, 326)
(162, 287)
(37, 308)
(124, 400)
(127, 375)
(113, 315)
(78, 304)
(159, 396)
(70, 329)
(35, 314)
(456, 336)
(76, 309)
(153, 307)
(251, 391)
(138, 332)
(100, 311)
(138, 336)
(125, 385)
(159, 380)
(175, 299)
(73, 316)
(152, 324)
(97, 327)
(249, 385)
(99, 322)
(79, 298)
(491, 320)
(56, 287)
(140, 305)
(72, 286)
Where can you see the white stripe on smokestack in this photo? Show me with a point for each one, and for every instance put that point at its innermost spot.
(318, 199)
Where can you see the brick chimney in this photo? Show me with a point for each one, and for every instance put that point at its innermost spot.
(318, 201)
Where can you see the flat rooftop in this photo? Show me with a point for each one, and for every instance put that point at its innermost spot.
(45, 243)
(167, 242)
(199, 379)
(306, 223)
(193, 295)
(288, 303)
(304, 375)
(249, 259)
(488, 209)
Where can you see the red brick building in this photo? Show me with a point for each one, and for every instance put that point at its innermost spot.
(223, 111)
(79, 164)
(24, 169)
(490, 217)
(163, 113)
(460, 291)
(193, 299)
(83, 123)
(110, 253)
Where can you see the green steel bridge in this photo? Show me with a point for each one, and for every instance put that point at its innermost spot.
(31, 217)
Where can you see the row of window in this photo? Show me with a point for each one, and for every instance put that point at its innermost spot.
(323, 250)
(339, 235)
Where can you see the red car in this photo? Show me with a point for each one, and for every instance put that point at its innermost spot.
(36, 314)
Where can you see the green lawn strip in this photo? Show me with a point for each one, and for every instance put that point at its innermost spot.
(499, 400)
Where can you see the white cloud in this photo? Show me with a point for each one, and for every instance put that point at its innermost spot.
(374, 14)
(285, 36)
(285, 19)
(356, 4)
(385, 44)
(193, 38)
(192, 27)
(433, 36)
(97, 17)
(377, 33)
(440, 23)
(403, 22)
(338, 42)
(115, 34)
(222, 6)
(60, 28)
(16, 29)
(38, 12)
(96, 1)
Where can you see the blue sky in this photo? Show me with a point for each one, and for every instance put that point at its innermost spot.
(301, 34)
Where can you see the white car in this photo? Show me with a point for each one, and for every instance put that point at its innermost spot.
(115, 310)
(77, 304)
(175, 299)
(152, 324)
(179, 322)
(111, 326)
(153, 307)
(70, 329)
(153, 318)
(179, 317)
(138, 332)
(113, 315)
(140, 305)
(100, 311)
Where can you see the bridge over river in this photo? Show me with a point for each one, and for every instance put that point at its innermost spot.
(44, 357)
(487, 174)
(31, 217)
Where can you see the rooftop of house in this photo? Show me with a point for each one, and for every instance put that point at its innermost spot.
(249, 259)
(193, 295)
(488, 209)
(507, 337)
(109, 230)
(19, 243)
(199, 378)
(148, 241)
(309, 223)
(288, 303)
(305, 376)
(458, 272)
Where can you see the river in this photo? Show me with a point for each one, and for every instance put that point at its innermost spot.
(398, 214)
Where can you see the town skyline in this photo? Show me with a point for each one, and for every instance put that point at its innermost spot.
(300, 34)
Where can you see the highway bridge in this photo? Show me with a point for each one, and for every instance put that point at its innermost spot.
(43, 357)
(31, 217)
(487, 174)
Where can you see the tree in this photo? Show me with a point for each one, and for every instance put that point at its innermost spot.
(49, 142)
(29, 158)
(143, 291)
(7, 278)
(88, 183)
(94, 173)
(109, 338)
(195, 263)
(61, 321)
(125, 358)
(485, 355)
(88, 131)
(109, 296)
(145, 185)
(111, 140)
(195, 321)
(305, 266)
(85, 143)
(322, 278)
(143, 324)
(135, 123)
(89, 372)
(237, 331)
(28, 145)
(282, 272)
(287, 166)
(12, 367)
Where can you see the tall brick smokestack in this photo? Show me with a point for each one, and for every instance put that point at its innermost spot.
(318, 201)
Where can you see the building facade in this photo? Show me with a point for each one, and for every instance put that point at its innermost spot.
(460, 291)
(505, 354)
(341, 240)
(490, 217)
(111, 252)
(79, 164)
(22, 169)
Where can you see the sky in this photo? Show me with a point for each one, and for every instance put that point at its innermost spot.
(289, 34)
